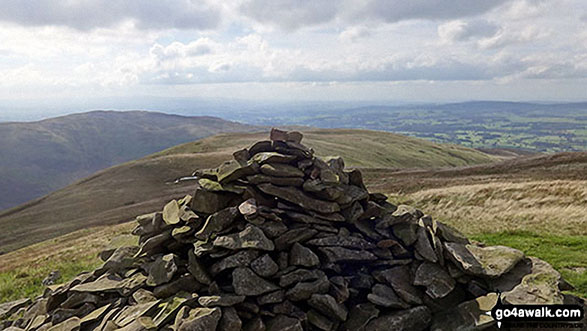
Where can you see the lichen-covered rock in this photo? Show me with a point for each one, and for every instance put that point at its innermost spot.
(492, 261)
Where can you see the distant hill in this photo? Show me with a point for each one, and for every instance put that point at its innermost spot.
(119, 193)
(39, 157)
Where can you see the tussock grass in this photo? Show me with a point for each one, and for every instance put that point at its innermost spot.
(543, 207)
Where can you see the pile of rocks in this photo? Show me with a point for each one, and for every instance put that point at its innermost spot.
(278, 239)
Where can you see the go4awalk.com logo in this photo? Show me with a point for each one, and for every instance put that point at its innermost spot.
(543, 316)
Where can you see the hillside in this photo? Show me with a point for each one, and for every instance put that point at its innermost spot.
(119, 193)
(39, 157)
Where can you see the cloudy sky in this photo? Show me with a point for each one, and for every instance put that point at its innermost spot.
(417, 50)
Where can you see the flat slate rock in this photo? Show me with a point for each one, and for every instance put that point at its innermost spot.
(384, 296)
(246, 282)
(328, 306)
(250, 238)
(225, 300)
(301, 199)
(281, 170)
(339, 254)
(415, 319)
(492, 261)
(437, 281)
(217, 222)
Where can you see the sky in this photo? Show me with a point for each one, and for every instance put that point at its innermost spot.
(288, 50)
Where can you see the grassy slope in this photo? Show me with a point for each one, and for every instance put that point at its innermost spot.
(40, 157)
(119, 193)
(359, 148)
(537, 204)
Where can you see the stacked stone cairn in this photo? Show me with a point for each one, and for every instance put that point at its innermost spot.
(278, 239)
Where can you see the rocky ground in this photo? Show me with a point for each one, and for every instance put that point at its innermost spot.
(278, 239)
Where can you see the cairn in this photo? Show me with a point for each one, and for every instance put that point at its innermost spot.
(278, 239)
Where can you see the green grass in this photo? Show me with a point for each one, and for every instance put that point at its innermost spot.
(565, 253)
(27, 281)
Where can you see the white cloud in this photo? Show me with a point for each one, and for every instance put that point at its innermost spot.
(90, 14)
(336, 44)
(399, 10)
(506, 37)
(354, 34)
(460, 30)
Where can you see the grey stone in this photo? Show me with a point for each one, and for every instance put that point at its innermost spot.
(437, 281)
(469, 315)
(272, 157)
(109, 283)
(406, 232)
(449, 234)
(281, 170)
(302, 256)
(201, 319)
(255, 324)
(185, 283)
(328, 306)
(272, 297)
(300, 275)
(209, 202)
(230, 321)
(197, 269)
(264, 266)
(250, 237)
(246, 282)
(143, 296)
(400, 280)
(423, 246)
(224, 300)
(299, 198)
(492, 261)
(415, 319)
(9, 308)
(339, 254)
(71, 324)
(351, 194)
(292, 236)
(217, 222)
(77, 299)
(238, 259)
(284, 323)
(214, 186)
(232, 170)
(382, 295)
(342, 241)
(359, 316)
(162, 270)
(540, 286)
(320, 321)
(304, 290)
(131, 313)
